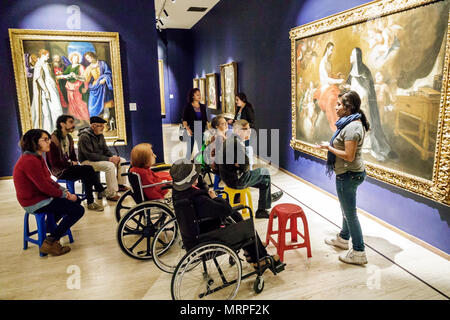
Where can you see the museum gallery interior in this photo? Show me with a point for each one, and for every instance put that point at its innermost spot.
(291, 59)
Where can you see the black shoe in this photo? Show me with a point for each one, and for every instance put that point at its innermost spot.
(262, 214)
(276, 196)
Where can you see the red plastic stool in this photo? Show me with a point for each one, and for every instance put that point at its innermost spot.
(288, 212)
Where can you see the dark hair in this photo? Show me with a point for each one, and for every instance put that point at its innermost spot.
(329, 44)
(191, 93)
(215, 121)
(352, 102)
(63, 118)
(30, 140)
(243, 97)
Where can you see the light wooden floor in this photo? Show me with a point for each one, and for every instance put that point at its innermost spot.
(398, 268)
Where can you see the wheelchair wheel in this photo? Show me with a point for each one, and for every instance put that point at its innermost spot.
(167, 246)
(258, 285)
(137, 228)
(205, 272)
(125, 203)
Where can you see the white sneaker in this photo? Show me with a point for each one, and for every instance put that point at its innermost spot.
(354, 257)
(337, 242)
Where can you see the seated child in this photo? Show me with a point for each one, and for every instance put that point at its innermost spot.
(142, 158)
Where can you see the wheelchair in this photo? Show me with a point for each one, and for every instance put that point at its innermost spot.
(168, 247)
(128, 200)
(211, 268)
(139, 224)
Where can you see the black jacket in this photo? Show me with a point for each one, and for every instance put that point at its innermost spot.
(247, 113)
(189, 116)
(234, 149)
(92, 147)
(194, 204)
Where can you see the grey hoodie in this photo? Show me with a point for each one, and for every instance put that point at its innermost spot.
(92, 147)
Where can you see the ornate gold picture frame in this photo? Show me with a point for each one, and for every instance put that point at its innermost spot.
(161, 86)
(202, 87)
(400, 70)
(211, 91)
(68, 72)
(229, 88)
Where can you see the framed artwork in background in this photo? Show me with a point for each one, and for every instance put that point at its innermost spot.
(229, 88)
(161, 86)
(211, 91)
(202, 87)
(68, 72)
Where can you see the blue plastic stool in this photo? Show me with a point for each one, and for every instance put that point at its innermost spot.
(70, 185)
(216, 182)
(41, 230)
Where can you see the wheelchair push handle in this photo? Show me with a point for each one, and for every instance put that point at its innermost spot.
(114, 145)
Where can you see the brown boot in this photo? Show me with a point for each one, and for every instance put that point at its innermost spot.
(53, 247)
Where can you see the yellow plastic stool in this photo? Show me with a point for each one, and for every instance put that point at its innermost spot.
(245, 199)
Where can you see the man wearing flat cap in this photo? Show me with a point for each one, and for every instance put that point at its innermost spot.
(92, 150)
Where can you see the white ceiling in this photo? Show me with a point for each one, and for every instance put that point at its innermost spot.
(179, 17)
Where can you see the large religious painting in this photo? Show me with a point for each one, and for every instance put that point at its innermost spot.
(395, 55)
(228, 82)
(68, 72)
(211, 91)
(202, 87)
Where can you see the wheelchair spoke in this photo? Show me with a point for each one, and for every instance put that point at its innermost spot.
(136, 243)
(205, 273)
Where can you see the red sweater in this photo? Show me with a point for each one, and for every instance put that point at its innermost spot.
(150, 177)
(32, 180)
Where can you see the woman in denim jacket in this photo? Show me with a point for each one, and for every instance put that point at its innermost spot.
(345, 159)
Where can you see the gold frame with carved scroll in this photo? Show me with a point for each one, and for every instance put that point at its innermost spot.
(438, 186)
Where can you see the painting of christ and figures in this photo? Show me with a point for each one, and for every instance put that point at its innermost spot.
(397, 63)
(74, 73)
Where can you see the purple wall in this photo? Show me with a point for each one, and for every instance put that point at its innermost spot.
(138, 56)
(255, 34)
(175, 48)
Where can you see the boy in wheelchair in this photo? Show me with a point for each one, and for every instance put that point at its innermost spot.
(211, 210)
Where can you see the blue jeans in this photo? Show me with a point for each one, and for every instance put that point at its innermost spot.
(346, 186)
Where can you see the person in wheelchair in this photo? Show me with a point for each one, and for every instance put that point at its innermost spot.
(187, 183)
(142, 158)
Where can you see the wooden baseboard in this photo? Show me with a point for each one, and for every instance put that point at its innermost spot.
(372, 217)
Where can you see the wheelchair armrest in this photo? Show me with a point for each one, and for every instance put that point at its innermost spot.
(241, 207)
(161, 168)
(126, 174)
(156, 184)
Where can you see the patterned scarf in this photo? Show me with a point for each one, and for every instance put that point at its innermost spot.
(340, 124)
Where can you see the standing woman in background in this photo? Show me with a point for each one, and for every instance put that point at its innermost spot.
(194, 111)
(344, 158)
(244, 110)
